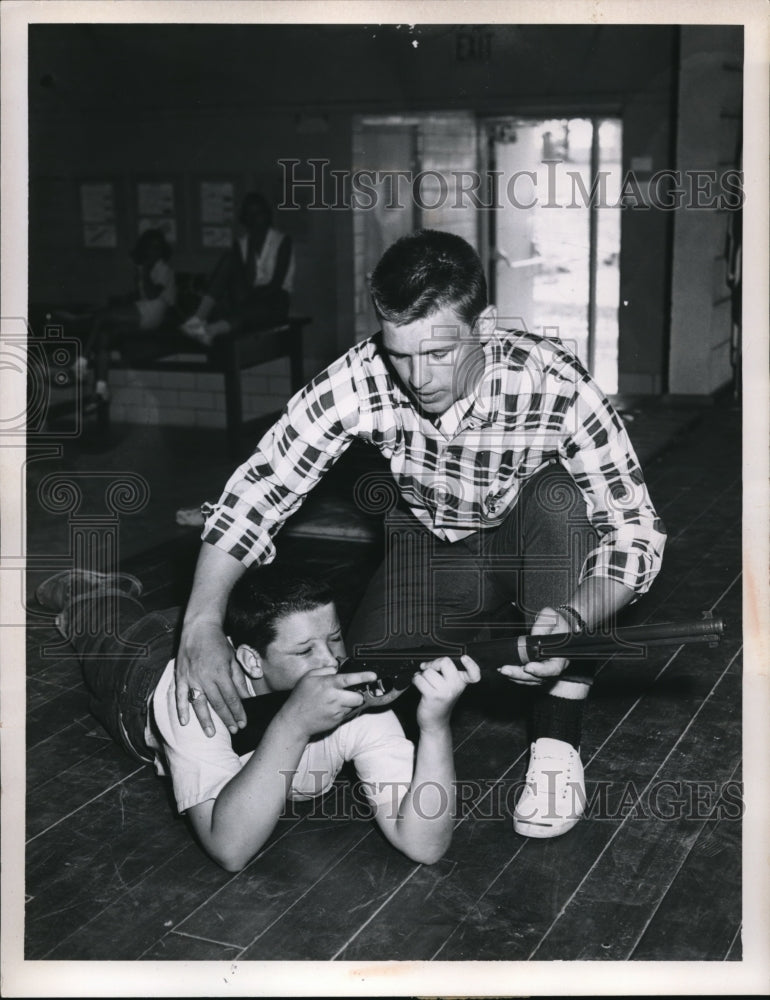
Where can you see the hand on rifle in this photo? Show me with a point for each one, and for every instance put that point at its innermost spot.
(547, 621)
(440, 683)
(321, 700)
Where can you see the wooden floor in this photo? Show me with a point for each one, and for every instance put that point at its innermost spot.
(652, 873)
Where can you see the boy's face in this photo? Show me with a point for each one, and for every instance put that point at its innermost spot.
(304, 641)
(435, 358)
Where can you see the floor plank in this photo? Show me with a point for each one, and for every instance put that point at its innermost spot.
(95, 855)
(73, 788)
(279, 880)
(616, 900)
(711, 871)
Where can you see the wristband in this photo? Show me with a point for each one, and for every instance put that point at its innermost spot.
(575, 616)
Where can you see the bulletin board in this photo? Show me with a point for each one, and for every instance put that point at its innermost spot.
(98, 215)
(216, 212)
(156, 207)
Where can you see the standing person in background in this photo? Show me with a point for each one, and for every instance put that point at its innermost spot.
(251, 283)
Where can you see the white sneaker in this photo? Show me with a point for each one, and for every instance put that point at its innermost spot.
(554, 798)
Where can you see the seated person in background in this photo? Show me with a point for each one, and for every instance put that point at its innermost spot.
(251, 283)
(287, 637)
(143, 311)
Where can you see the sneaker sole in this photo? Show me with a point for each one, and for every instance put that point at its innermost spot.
(542, 831)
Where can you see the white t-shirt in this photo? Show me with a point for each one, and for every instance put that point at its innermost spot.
(200, 766)
(152, 312)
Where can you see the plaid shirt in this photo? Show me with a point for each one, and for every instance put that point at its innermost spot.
(534, 404)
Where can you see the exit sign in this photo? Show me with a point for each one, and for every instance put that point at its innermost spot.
(473, 45)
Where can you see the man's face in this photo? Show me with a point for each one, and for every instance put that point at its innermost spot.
(254, 217)
(435, 358)
(304, 641)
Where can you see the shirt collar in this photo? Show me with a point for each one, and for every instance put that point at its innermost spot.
(482, 406)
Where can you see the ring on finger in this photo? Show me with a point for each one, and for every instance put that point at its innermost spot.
(193, 694)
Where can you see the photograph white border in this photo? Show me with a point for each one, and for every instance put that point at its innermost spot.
(20, 978)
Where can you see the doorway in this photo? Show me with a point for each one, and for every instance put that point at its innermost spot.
(553, 237)
(547, 227)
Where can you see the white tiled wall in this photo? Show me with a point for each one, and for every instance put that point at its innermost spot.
(191, 399)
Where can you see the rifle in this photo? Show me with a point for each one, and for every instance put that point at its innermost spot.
(395, 668)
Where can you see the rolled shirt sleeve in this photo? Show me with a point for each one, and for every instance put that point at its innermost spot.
(598, 453)
(316, 427)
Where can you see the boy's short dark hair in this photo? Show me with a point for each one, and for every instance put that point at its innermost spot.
(425, 271)
(264, 595)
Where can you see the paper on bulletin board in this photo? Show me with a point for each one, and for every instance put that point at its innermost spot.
(97, 208)
(216, 236)
(97, 202)
(166, 225)
(217, 212)
(100, 235)
(155, 199)
(156, 209)
(217, 199)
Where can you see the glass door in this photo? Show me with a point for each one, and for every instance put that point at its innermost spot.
(554, 232)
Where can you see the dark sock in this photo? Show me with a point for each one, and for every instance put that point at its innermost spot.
(557, 719)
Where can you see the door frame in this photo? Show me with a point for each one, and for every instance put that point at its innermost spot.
(486, 123)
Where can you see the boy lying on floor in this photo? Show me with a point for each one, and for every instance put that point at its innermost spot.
(287, 637)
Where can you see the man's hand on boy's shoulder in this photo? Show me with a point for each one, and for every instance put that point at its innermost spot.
(208, 677)
(441, 683)
(322, 700)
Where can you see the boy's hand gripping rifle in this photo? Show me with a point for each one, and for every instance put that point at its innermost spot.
(395, 668)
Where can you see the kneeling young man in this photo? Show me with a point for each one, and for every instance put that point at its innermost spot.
(287, 637)
(518, 499)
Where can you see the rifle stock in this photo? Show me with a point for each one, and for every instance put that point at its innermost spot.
(396, 667)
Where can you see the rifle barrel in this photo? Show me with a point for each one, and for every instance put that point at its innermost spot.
(517, 650)
(633, 640)
(396, 666)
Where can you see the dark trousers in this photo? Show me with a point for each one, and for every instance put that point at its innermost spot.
(427, 590)
(240, 302)
(123, 650)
